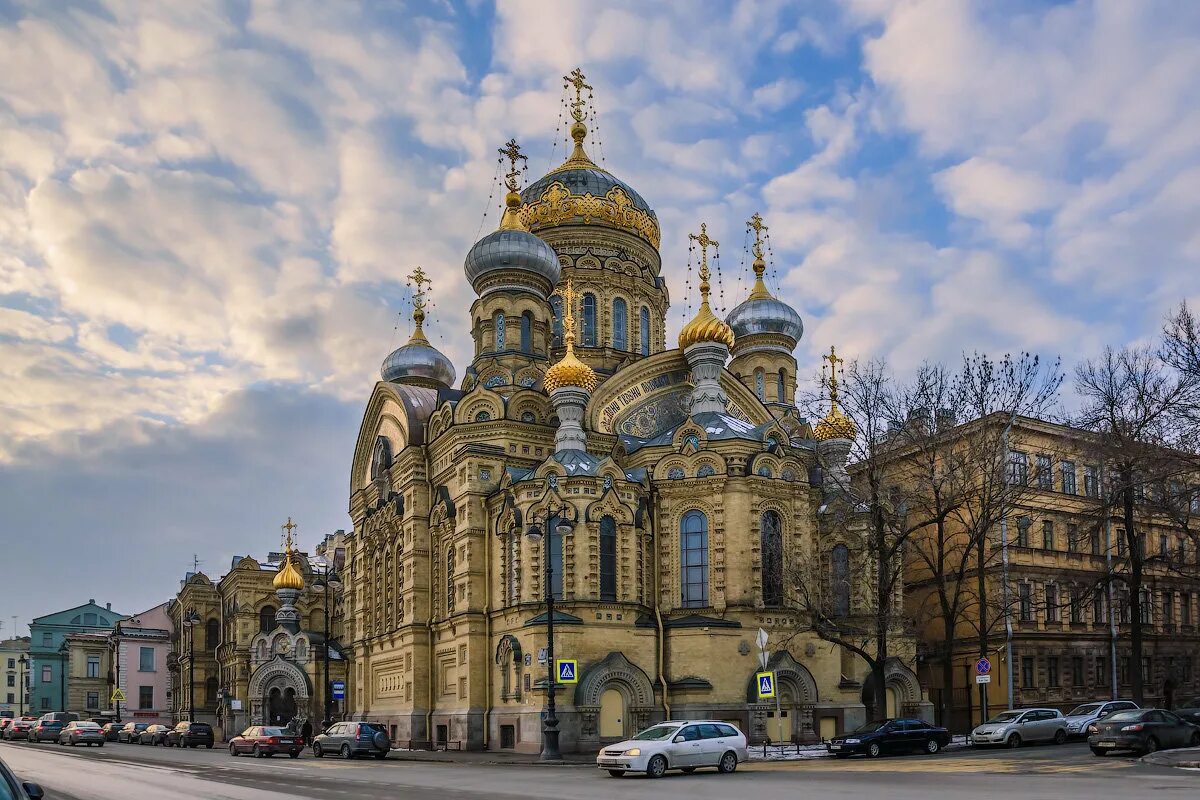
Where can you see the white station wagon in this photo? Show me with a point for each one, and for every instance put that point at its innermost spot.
(684, 745)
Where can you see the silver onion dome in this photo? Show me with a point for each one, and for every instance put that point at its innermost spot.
(766, 315)
(510, 249)
(420, 363)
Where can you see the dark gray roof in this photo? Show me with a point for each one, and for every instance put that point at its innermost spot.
(581, 181)
(716, 426)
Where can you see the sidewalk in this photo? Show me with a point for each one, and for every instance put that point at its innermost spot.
(491, 758)
(1188, 757)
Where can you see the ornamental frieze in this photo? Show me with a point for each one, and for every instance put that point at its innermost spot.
(557, 205)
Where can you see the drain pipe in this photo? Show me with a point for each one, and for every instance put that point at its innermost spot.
(658, 620)
(429, 619)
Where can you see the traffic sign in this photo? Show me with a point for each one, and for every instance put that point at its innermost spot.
(541, 655)
(117, 696)
(766, 685)
(983, 667)
(568, 670)
(339, 690)
(983, 678)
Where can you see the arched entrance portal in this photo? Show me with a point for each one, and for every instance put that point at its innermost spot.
(281, 705)
(614, 699)
(278, 693)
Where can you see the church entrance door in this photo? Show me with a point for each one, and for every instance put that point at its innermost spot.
(612, 714)
(281, 706)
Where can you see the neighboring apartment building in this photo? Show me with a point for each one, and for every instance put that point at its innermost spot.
(89, 674)
(1070, 626)
(141, 651)
(48, 655)
(14, 692)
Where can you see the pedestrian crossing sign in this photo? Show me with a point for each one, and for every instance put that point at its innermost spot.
(568, 670)
(766, 685)
(118, 696)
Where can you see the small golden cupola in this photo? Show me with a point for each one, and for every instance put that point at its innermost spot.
(706, 326)
(288, 576)
(569, 370)
(835, 425)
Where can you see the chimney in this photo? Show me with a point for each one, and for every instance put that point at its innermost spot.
(108, 606)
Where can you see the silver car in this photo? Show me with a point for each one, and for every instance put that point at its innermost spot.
(684, 745)
(1082, 716)
(1015, 728)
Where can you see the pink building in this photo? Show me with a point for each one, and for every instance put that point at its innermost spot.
(140, 646)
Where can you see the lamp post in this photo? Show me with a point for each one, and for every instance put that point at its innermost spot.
(23, 661)
(190, 621)
(64, 665)
(550, 732)
(328, 581)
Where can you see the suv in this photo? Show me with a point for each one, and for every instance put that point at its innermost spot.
(683, 745)
(190, 734)
(349, 739)
(1084, 715)
(1014, 728)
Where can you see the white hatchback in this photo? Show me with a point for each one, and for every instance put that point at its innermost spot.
(684, 745)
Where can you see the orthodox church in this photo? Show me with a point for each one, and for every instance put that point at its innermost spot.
(681, 491)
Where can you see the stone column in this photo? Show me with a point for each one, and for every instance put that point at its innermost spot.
(569, 403)
(834, 454)
(706, 360)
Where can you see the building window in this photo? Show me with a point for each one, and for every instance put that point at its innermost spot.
(1163, 545)
(644, 330)
(1098, 615)
(93, 700)
(210, 692)
(1091, 481)
(449, 577)
(780, 388)
(1100, 671)
(1168, 607)
(47, 674)
(1045, 473)
(589, 320)
(840, 579)
(266, 619)
(1027, 673)
(770, 540)
(93, 666)
(1185, 608)
(1072, 538)
(501, 333)
(556, 559)
(620, 324)
(526, 332)
(45, 703)
(47, 640)
(608, 558)
(1147, 670)
(212, 634)
(12, 680)
(1051, 602)
(693, 545)
(1094, 541)
(759, 380)
(1068, 477)
(12, 698)
(12, 663)
(1018, 468)
(1147, 606)
(556, 325)
(1023, 526)
(1052, 671)
(1047, 534)
(145, 659)
(1025, 597)
(145, 697)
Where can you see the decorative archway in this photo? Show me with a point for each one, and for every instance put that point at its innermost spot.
(278, 688)
(797, 692)
(595, 693)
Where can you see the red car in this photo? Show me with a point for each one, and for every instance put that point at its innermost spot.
(18, 729)
(261, 741)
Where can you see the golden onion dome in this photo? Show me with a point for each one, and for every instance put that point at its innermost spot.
(569, 370)
(288, 576)
(835, 425)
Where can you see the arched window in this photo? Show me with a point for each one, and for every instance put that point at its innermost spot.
(266, 619)
(693, 546)
(780, 390)
(644, 330)
(500, 332)
(381, 457)
(608, 558)
(839, 579)
(556, 558)
(449, 578)
(620, 325)
(771, 543)
(526, 332)
(758, 384)
(210, 692)
(556, 326)
(212, 634)
(589, 320)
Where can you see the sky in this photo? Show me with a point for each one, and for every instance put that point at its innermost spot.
(208, 209)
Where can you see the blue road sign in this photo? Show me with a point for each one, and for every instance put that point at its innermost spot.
(766, 684)
(983, 667)
(339, 690)
(568, 670)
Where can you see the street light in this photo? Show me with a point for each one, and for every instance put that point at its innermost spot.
(23, 661)
(327, 581)
(550, 750)
(64, 665)
(190, 621)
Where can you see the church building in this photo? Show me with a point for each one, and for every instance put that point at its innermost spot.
(680, 489)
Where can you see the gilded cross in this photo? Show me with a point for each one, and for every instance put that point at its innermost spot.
(512, 151)
(704, 240)
(578, 80)
(288, 527)
(756, 224)
(421, 285)
(568, 298)
(834, 362)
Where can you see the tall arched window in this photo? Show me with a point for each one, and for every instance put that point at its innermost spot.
(771, 543)
(212, 634)
(589, 320)
(210, 692)
(266, 619)
(620, 325)
(693, 546)
(400, 581)
(644, 330)
(839, 579)
(449, 578)
(557, 324)
(780, 390)
(758, 383)
(501, 334)
(608, 558)
(526, 332)
(556, 558)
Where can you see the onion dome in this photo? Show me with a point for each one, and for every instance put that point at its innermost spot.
(569, 370)
(288, 576)
(417, 361)
(835, 424)
(762, 312)
(705, 326)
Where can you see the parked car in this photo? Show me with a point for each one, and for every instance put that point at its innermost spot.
(18, 729)
(1190, 711)
(88, 733)
(190, 734)
(46, 730)
(59, 716)
(350, 739)
(1142, 731)
(111, 730)
(11, 786)
(684, 745)
(154, 735)
(1080, 717)
(1022, 725)
(132, 730)
(890, 736)
(263, 741)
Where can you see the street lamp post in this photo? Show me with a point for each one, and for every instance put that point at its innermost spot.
(23, 661)
(550, 751)
(329, 581)
(190, 621)
(64, 665)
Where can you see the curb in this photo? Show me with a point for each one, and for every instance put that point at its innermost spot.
(1188, 758)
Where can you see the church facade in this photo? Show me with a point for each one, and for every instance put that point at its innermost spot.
(679, 487)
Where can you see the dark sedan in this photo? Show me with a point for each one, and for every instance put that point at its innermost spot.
(154, 735)
(191, 734)
(111, 730)
(890, 736)
(18, 729)
(46, 730)
(132, 730)
(1142, 731)
(261, 741)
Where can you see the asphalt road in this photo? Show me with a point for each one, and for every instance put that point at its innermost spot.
(128, 772)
